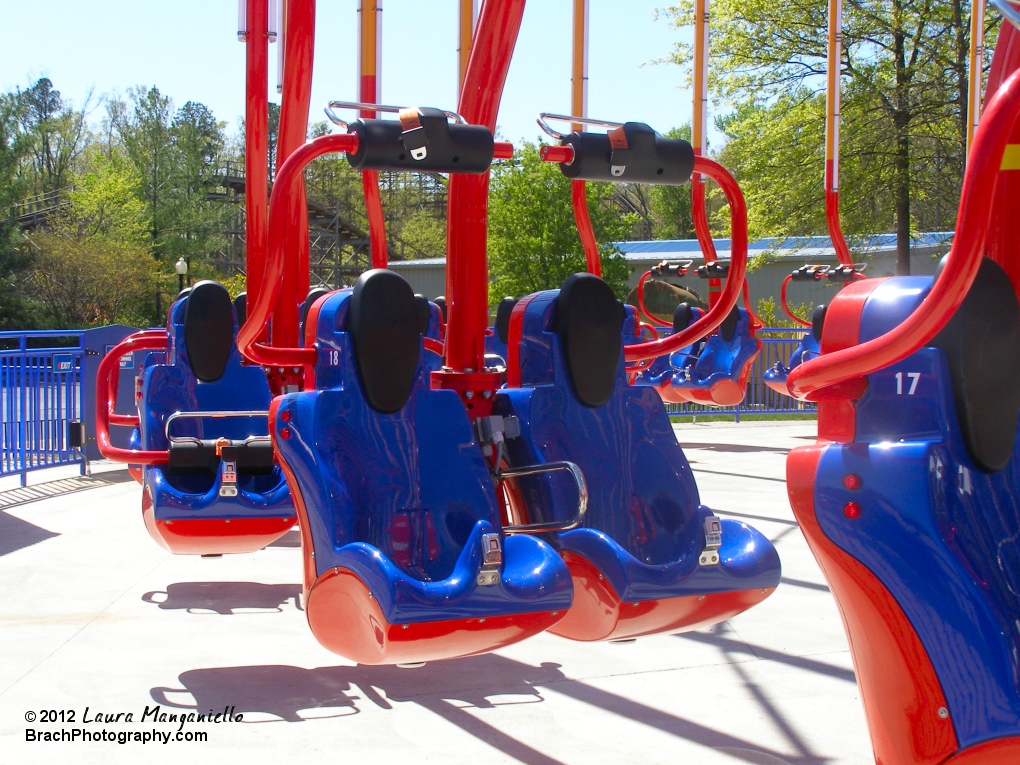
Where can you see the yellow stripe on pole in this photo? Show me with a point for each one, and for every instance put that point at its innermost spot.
(465, 31)
(368, 36)
(833, 66)
(579, 68)
(699, 120)
(977, 55)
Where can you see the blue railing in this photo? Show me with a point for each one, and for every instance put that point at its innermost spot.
(777, 344)
(40, 392)
(48, 379)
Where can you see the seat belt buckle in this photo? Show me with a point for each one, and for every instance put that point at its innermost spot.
(413, 136)
(492, 559)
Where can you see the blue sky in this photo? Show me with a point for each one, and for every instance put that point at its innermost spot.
(189, 49)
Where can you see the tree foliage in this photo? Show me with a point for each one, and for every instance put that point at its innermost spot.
(533, 239)
(904, 116)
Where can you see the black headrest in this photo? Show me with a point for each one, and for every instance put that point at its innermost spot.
(441, 302)
(818, 321)
(383, 324)
(313, 294)
(589, 321)
(982, 344)
(183, 293)
(503, 313)
(728, 328)
(208, 330)
(241, 308)
(682, 317)
(424, 313)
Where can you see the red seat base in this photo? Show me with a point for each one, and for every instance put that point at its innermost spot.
(599, 614)
(346, 619)
(213, 536)
(997, 752)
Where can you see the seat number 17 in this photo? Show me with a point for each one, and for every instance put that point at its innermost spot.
(913, 377)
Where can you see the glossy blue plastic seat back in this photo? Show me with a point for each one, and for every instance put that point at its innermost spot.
(938, 456)
(726, 352)
(641, 489)
(174, 387)
(409, 482)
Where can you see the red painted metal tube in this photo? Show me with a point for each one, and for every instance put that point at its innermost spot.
(651, 328)
(753, 318)
(467, 273)
(282, 206)
(700, 214)
(579, 198)
(433, 345)
(973, 218)
(786, 307)
(835, 229)
(256, 142)
(557, 154)
(504, 150)
(734, 281)
(376, 219)
(299, 51)
(106, 399)
(641, 301)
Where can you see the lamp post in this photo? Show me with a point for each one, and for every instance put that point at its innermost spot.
(181, 267)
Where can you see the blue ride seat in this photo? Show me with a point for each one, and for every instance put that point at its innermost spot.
(199, 503)
(808, 348)
(660, 374)
(430, 320)
(644, 558)
(719, 375)
(914, 515)
(405, 560)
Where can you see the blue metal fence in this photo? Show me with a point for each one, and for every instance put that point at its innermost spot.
(48, 379)
(777, 344)
(40, 392)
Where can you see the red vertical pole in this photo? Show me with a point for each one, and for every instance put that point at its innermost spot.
(467, 272)
(298, 39)
(369, 53)
(256, 142)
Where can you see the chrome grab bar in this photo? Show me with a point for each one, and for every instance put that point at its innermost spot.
(542, 123)
(549, 467)
(220, 415)
(360, 106)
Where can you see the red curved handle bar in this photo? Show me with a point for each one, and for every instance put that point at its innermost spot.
(106, 399)
(786, 307)
(949, 290)
(734, 280)
(433, 345)
(642, 325)
(284, 203)
(835, 229)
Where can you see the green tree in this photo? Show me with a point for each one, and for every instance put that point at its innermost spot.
(904, 106)
(55, 134)
(533, 239)
(14, 313)
(90, 265)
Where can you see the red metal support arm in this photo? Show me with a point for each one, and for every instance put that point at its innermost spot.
(283, 205)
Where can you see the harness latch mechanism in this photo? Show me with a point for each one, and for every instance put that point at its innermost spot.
(713, 541)
(492, 559)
